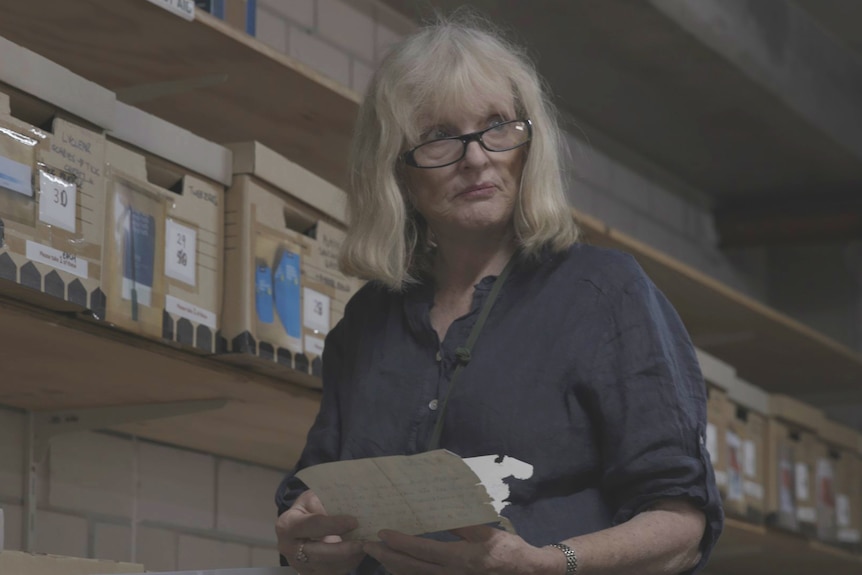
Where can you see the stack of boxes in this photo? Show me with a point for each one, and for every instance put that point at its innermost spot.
(283, 230)
(780, 462)
(52, 185)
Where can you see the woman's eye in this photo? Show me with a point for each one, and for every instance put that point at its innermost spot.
(496, 121)
(438, 133)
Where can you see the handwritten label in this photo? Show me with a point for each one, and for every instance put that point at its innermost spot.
(181, 249)
(16, 176)
(57, 201)
(77, 151)
(315, 310)
(414, 494)
(190, 311)
(842, 510)
(182, 8)
(57, 259)
(313, 345)
(204, 195)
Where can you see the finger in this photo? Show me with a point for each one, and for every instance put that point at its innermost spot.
(326, 553)
(423, 549)
(309, 502)
(319, 526)
(399, 563)
(474, 533)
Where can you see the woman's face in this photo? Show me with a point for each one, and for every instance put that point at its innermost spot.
(477, 193)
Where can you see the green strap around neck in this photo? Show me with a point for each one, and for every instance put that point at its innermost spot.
(463, 353)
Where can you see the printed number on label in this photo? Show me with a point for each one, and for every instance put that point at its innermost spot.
(57, 201)
(180, 252)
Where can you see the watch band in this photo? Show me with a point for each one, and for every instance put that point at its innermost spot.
(571, 558)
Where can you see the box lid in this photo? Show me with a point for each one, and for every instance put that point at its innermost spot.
(716, 371)
(794, 411)
(256, 159)
(48, 81)
(747, 395)
(165, 140)
(840, 435)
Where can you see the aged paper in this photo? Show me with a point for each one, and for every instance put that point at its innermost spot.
(414, 494)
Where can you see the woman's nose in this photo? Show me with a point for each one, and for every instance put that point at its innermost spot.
(475, 155)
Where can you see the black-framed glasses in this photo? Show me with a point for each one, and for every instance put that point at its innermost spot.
(447, 151)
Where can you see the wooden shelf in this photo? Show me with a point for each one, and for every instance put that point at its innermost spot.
(57, 361)
(766, 347)
(267, 96)
(746, 549)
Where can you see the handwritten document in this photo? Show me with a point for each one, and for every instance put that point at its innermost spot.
(414, 494)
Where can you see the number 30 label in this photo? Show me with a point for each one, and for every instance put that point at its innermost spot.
(180, 252)
(57, 201)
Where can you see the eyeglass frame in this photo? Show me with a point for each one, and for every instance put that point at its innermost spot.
(465, 139)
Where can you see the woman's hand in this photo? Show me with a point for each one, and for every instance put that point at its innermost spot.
(311, 541)
(482, 549)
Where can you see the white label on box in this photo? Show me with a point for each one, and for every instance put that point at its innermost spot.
(712, 443)
(749, 458)
(754, 490)
(190, 311)
(315, 310)
(57, 259)
(735, 489)
(842, 510)
(184, 8)
(16, 176)
(313, 345)
(806, 514)
(181, 248)
(802, 491)
(849, 536)
(57, 201)
(720, 478)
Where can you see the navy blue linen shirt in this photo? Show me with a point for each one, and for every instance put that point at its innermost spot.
(583, 370)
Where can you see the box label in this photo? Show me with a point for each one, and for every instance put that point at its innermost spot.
(57, 201)
(749, 458)
(735, 490)
(139, 250)
(313, 345)
(57, 259)
(754, 490)
(315, 310)
(190, 311)
(712, 443)
(182, 8)
(802, 487)
(16, 176)
(181, 247)
(842, 510)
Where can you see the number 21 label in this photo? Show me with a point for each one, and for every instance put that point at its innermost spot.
(180, 252)
(57, 201)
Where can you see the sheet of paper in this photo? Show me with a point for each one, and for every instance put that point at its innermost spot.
(414, 494)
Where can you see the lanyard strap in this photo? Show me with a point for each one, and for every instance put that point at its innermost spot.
(463, 353)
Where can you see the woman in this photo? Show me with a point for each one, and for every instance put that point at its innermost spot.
(582, 368)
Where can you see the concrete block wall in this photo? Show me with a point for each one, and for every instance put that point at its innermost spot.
(341, 39)
(187, 510)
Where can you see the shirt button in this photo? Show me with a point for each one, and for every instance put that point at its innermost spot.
(439, 356)
(432, 405)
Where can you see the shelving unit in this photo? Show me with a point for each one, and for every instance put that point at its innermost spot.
(54, 361)
(259, 94)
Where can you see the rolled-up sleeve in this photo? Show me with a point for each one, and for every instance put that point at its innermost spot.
(649, 399)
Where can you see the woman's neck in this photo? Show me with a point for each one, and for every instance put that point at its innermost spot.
(461, 263)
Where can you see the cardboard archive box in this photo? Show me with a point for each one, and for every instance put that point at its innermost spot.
(747, 453)
(838, 486)
(793, 450)
(283, 230)
(20, 563)
(52, 189)
(164, 258)
(718, 376)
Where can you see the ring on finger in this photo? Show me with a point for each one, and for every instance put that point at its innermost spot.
(301, 556)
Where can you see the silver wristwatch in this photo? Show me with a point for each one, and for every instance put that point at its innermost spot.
(571, 558)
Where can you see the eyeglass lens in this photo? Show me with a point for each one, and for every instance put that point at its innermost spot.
(498, 138)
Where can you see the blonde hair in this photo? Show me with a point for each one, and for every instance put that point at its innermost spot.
(446, 64)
